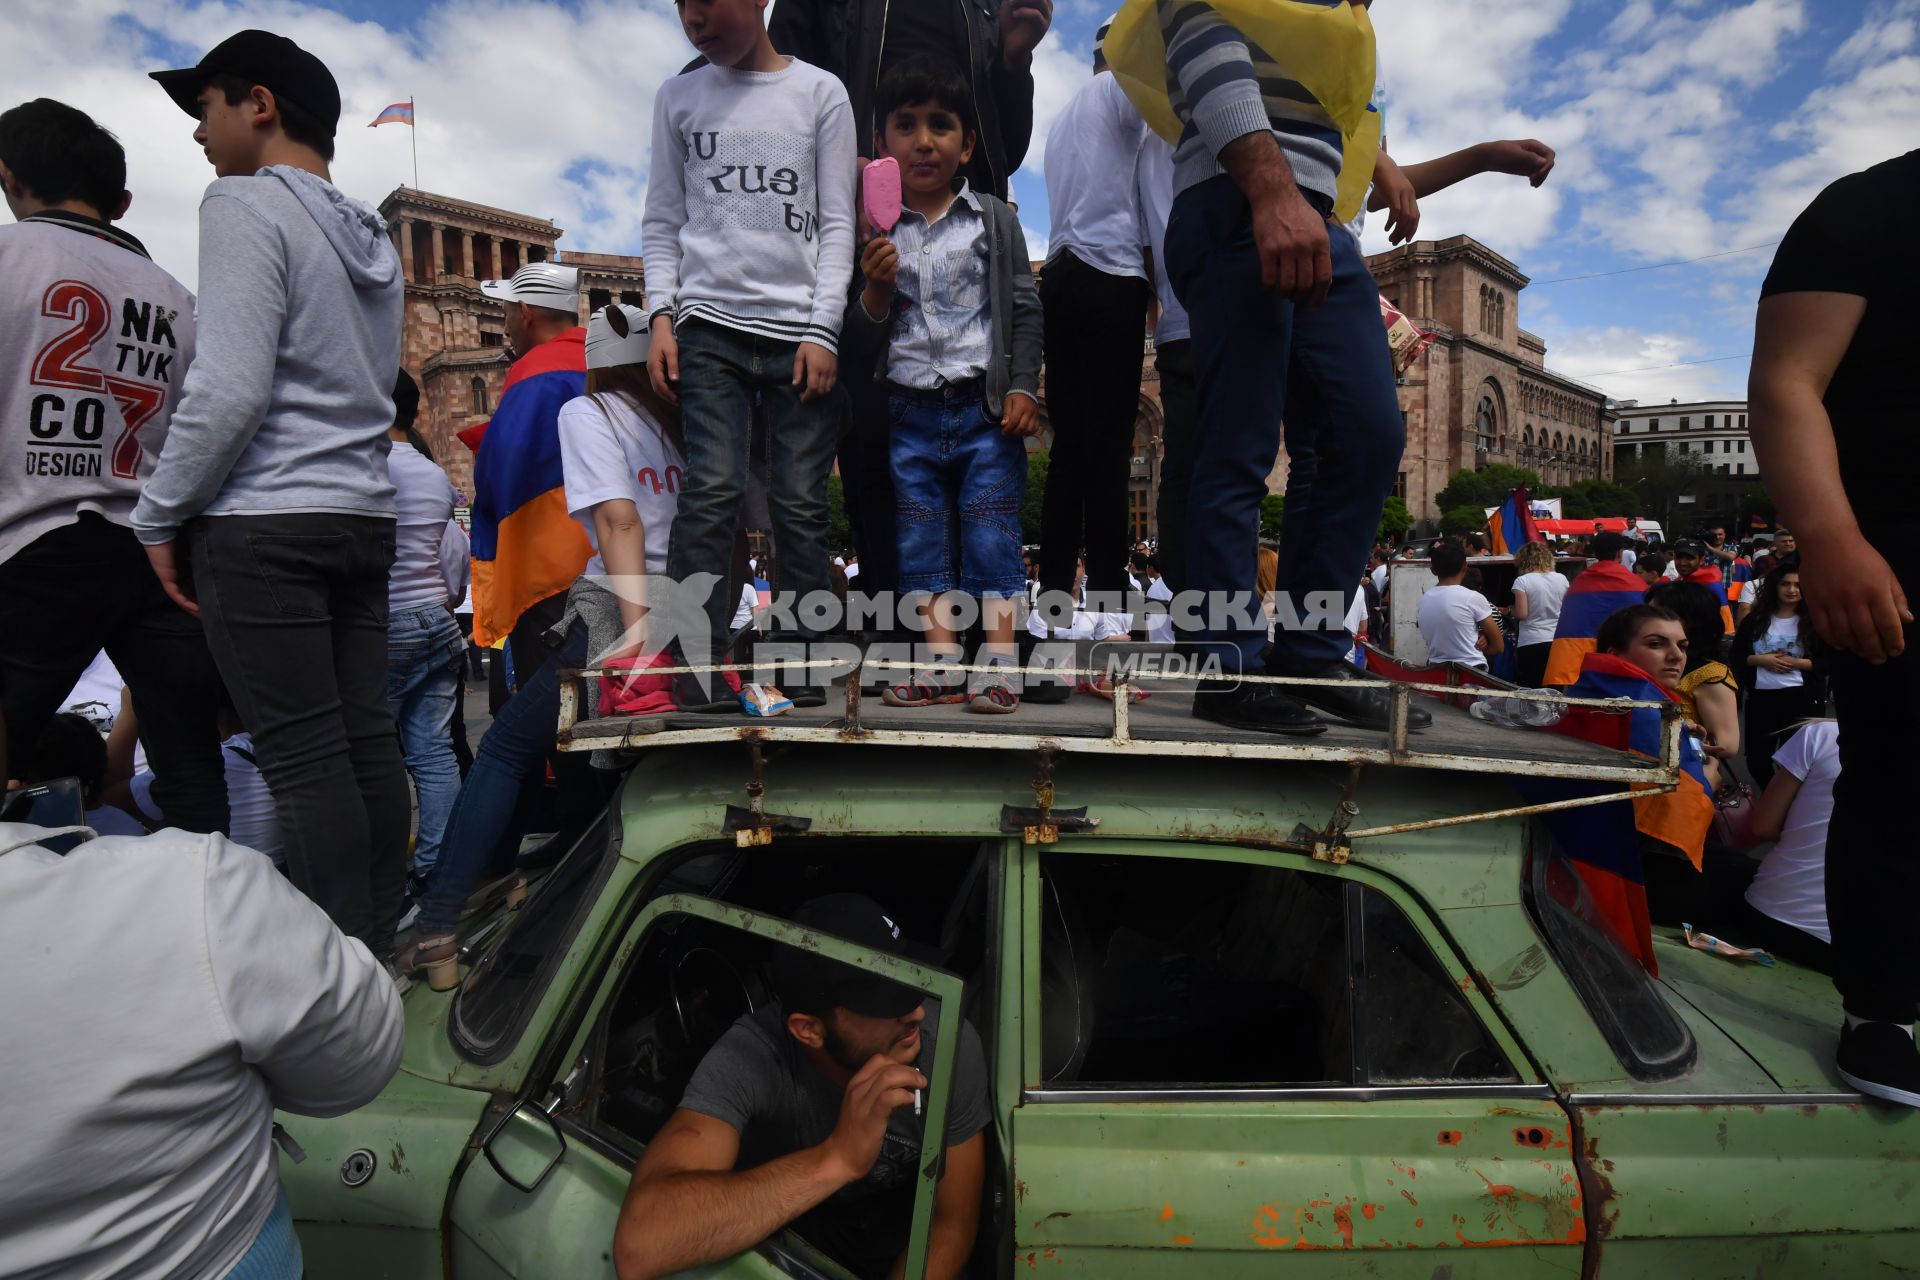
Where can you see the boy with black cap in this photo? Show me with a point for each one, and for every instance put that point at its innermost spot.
(270, 513)
(804, 1114)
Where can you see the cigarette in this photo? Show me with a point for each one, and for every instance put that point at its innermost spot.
(916, 1103)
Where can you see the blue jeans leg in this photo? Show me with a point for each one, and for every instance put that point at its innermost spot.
(424, 662)
(717, 378)
(993, 485)
(802, 438)
(1242, 341)
(515, 745)
(923, 489)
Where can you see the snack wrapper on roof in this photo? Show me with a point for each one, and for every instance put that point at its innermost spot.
(1326, 48)
(1407, 340)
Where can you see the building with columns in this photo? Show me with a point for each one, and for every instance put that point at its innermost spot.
(1482, 393)
(455, 338)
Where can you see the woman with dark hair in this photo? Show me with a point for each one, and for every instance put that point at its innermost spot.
(1773, 656)
(1707, 690)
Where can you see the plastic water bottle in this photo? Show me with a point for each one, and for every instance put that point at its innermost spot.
(1525, 713)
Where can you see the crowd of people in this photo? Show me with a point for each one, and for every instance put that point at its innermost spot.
(227, 497)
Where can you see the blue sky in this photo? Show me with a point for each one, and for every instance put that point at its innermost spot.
(1684, 128)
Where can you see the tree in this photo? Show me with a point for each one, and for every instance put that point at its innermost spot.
(1487, 487)
(839, 532)
(1272, 508)
(1036, 496)
(1660, 480)
(1395, 520)
(1469, 519)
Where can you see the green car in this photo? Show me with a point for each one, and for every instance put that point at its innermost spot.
(1217, 1028)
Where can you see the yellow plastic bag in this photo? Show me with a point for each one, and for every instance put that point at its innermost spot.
(1328, 49)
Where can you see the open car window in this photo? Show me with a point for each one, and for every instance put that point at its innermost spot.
(687, 969)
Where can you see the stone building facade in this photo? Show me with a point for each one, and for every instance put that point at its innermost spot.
(1482, 393)
(455, 338)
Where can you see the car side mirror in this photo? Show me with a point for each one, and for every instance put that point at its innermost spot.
(526, 1148)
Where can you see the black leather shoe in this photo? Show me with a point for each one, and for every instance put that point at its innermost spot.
(1365, 702)
(1254, 706)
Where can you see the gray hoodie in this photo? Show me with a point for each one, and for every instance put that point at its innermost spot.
(288, 402)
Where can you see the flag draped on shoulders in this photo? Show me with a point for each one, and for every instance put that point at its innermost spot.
(1325, 46)
(1604, 841)
(1711, 579)
(1512, 527)
(525, 545)
(1601, 589)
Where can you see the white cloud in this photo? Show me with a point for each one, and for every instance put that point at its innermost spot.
(1643, 365)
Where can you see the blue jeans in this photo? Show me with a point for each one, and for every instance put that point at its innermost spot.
(480, 835)
(721, 372)
(1260, 360)
(424, 667)
(958, 484)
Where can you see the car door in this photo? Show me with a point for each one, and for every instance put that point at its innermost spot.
(543, 1195)
(1235, 1053)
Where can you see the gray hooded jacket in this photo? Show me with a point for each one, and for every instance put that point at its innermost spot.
(289, 399)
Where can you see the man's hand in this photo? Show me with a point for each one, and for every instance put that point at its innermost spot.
(1290, 236)
(1394, 193)
(880, 267)
(173, 575)
(663, 360)
(1854, 599)
(1523, 157)
(814, 369)
(1021, 417)
(876, 1091)
(1022, 25)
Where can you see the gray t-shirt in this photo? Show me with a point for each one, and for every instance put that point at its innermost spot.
(757, 1080)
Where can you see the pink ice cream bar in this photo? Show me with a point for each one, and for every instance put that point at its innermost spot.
(880, 188)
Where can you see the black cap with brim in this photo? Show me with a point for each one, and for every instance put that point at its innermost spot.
(295, 76)
(813, 983)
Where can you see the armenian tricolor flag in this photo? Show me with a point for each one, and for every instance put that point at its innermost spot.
(525, 545)
(1601, 589)
(1512, 527)
(398, 113)
(1710, 577)
(1603, 841)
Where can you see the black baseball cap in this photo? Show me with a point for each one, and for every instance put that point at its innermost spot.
(1690, 547)
(810, 983)
(263, 58)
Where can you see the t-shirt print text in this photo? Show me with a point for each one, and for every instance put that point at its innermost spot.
(752, 179)
(67, 417)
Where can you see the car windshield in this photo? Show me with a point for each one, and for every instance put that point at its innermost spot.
(508, 977)
(1643, 1032)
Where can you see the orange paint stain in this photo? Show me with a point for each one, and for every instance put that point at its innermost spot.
(1183, 1239)
(1166, 1213)
(1450, 1137)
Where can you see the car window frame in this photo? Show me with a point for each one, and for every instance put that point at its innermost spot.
(1528, 1081)
(573, 1038)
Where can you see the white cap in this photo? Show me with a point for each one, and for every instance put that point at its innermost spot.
(539, 284)
(607, 346)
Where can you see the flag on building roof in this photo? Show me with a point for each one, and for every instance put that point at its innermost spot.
(398, 113)
(1604, 841)
(1512, 526)
(1601, 589)
(525, 545)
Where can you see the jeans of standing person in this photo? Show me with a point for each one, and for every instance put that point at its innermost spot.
(425, 662)
(1771, 715)
(295, 608)
(481, 836)
(1530, 663)
(1095, 325)
(959, 483)
(721, 371)
(866, 476)
(1260, 360)
(1873, 877)
(85, 587)
(1180, 417)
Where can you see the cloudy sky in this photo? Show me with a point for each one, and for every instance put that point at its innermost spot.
(1685, 128)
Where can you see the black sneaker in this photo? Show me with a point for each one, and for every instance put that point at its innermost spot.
(1881, 1060)
(1254, 706)
(1365, 700)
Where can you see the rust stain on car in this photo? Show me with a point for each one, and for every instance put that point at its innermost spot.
(1450, 1137)
(1166, 1213)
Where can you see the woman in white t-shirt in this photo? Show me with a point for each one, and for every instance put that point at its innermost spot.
(1773, 658)
(1537, 594)
(1788, 893)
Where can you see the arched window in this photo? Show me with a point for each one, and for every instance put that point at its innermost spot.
(479, 389)
(1559, 445)
(1526, 436)
(1486, 425)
